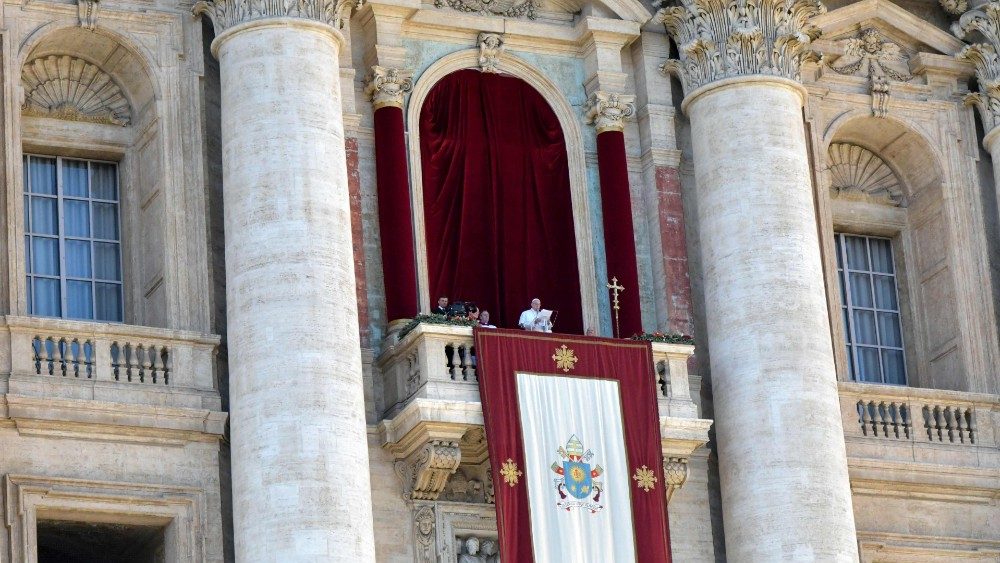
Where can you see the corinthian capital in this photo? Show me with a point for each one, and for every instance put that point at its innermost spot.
(387, 86)
(608, 111)
(985, 20)
(229, 13)
(720, 39)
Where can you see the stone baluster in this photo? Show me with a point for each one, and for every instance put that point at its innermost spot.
(301, 481)
(739, 66)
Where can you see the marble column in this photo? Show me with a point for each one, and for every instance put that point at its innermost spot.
(607, 112)
(386, 89)
(785, 490)
(301, 483)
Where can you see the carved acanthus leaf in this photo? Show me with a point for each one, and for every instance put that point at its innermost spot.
(985, 20)
(425, 473)
(859, 174)
(608, 111)
(228, 13)
(388, 86)
(69, 88)
(490, 50)
(720, 39)
(881, 61)
(502, 8)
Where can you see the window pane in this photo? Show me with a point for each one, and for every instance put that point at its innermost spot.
(840, 259)
(77, 258)
(864, 327)
(868, 364)
(27, 255)
(42, 175)
(888, 330)
(44, 216)
(46, 293)
(106, 266)
(885, 293)
(45, 252)
(76, 218)
(109, 302)
(857, 254)
(850, 362)
(892, 362)
(75, 178)
(79, 300)
(881, 255)
(847, 327)
(861, 290)
(104, 181)
(106, 221)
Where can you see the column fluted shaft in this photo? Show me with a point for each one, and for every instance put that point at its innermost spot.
(301, 483)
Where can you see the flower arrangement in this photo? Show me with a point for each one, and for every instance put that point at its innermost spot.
(669, 338)
(435, 320)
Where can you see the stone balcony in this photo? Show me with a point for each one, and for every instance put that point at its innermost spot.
(433, 420)
(84, 378)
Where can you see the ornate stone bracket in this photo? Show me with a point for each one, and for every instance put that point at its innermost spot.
(608, 111)
(87, 12)
(228, 13)
(66, 87)
(387, 86)
(675, 473)
(881, 61)
(425, 473)
(729, 38)
(985, 20)
(680, 437)
(490, 50)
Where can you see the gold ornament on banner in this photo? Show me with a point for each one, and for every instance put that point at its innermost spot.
(645, 478)
(565, 358)
(510, 472)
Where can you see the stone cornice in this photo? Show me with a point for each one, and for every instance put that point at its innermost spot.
(720, 39)
(607, 111)
(386, 87)
(986, 21)
(226, 14)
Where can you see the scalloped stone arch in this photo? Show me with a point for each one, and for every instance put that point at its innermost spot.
(858, 173)
(67, 87)
(568, 120)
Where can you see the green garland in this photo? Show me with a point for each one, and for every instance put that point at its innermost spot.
(674, 338)
(435, 320)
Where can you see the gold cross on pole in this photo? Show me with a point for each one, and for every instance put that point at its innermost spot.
(615, 290)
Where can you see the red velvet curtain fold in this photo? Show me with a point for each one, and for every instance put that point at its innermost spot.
(498, 213)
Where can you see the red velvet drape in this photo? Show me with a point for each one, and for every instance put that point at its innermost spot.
(499, 220)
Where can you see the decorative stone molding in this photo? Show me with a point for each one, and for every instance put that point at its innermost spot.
(859, 174)
(502, 8)
(470, 484)
(607, 111)
(490, 50)
(87, 12)
(458, 522)
(387, 86)
(229, 13)
(675, 474)
(66, 87)
(954, 7)
(720, 39)
(881, 61)
(985, 20)
(425, 473)
(424, 524)
(475, 549)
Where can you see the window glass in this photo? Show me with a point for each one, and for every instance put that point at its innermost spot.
(870, 305)
(72, 239)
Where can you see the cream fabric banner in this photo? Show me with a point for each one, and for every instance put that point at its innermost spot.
(576, 469)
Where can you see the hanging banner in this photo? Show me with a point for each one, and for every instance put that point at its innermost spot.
(574, 441)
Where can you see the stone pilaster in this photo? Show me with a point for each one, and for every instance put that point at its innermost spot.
(767, 321)
(301, 483)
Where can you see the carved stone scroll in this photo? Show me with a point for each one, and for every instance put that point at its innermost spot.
(719, 39)
(608, 111)
(425, 473)
(66, 87)
(490, 49)
(881, 61)
(387, 86)
(228, 13)
(985, 20)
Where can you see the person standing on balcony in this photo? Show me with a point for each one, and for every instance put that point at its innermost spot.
(442, 307)
(535, 319)
(484, 319)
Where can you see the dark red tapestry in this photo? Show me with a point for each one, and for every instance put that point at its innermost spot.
(498, 213)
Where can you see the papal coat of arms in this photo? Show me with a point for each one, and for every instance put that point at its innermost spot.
(577, 483)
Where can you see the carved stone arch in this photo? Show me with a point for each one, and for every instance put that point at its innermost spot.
(569, 120)
(67, 87)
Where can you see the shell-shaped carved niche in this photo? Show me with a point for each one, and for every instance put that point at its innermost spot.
(66, 87)
(859, 174)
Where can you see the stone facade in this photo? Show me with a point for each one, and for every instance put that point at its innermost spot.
(257, 403)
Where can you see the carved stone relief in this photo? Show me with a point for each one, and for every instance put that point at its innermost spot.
(87, 12)
(859, 174)
(490, 49)
(880, 60)
(471, 484)
(66, 87)
(425, 473)
(608, 111)
(985, 20)
(228, 13)
(675, 474)
(502, 8)
(424, 525)
(457, 523)
(388, 86)
(474, 549)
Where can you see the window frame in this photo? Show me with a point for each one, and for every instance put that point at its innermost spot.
(61, 236)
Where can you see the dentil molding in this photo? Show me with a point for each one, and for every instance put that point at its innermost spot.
(719, 39)
(985, 20)
(386, 87)
(66, 87)
(229, 13)
(607, 111)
